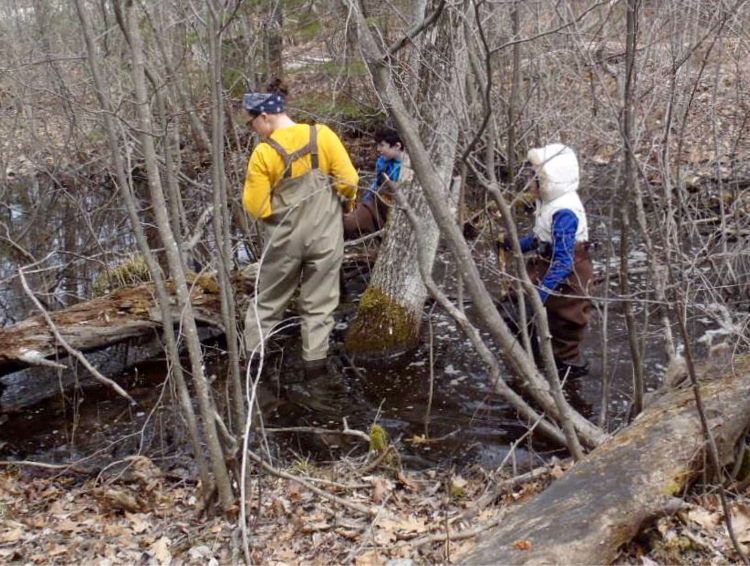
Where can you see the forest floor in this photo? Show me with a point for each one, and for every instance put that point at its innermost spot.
(135, 512)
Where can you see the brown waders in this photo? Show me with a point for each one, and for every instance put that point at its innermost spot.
(569, 309)
(368, 217)
(304, 247)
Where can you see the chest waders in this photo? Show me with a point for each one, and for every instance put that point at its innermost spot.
(569, 309)
(303, 247)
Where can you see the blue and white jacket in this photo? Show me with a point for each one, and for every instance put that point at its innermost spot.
(560, 219)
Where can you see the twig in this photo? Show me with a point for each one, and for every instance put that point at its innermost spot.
(36, 358)
(319, 430)
(364, 238)
(510, 483)
(413, 33)
(361, 509)
(468, 533)
(43, 465)
(72, 351)
(376, 462)
(713, 451)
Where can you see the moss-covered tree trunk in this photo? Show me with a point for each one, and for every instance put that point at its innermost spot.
(390, 312)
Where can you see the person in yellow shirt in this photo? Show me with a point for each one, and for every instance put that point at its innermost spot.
(287, 188)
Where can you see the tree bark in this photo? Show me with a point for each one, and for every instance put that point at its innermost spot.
(602, 502)
(389, 317)
(221, 221)
(123, 314)
(628, 124)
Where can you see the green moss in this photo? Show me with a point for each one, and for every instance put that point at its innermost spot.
(130, 272)
(205, 281)
(674, 550)
(379, 439)
(382, 326)
(676, 484)
(457, 492)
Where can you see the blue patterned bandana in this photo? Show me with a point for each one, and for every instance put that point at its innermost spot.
(259, 102)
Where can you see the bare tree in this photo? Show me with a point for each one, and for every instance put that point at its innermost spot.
(389, 317)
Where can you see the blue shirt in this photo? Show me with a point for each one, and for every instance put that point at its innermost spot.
(564, 228)
(383, 167)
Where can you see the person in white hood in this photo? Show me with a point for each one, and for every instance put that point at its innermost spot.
(562, 267)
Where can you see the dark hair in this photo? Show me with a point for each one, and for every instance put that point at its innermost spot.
(277, 86)
(389, 136)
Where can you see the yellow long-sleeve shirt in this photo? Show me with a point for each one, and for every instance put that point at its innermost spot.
(266, 167)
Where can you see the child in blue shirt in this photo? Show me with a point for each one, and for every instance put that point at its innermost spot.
(561, 268)
(371, 212)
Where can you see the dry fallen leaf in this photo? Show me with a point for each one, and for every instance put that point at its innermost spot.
(116, 530)
(160, 549)
(370, 558)
(11, 535)
(741, 522)
(118, 499)
(703, 517)
(57, 550)
(67, 526)
(524, 544)
(557, 472)
(281, 506)
(406, 525)
(138, 521)
(406, 482)
(380, 488)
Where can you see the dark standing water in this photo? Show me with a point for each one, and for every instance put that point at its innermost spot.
(465, 421)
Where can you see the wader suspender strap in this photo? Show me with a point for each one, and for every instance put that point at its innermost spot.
(289, 158)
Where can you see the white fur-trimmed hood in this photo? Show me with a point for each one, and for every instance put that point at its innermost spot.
(557, 167)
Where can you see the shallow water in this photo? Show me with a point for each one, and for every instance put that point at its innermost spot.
(465, 422)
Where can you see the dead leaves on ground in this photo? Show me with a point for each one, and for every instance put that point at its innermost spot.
(696, 534)
(139, 516)
(132, 520)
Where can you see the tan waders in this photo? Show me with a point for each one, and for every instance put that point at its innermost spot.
(304, 247)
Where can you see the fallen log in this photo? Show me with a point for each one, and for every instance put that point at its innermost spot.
(125, 314)
(32, 385)
(604, 500)
(102, 322)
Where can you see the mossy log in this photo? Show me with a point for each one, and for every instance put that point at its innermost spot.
(604, 500)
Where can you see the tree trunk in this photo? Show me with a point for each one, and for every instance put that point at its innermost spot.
(602, 502)
(126, 192)
(174, 259)
(520, 361)
(222, 226)
(628, 124)
(390, 312)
